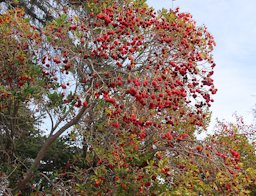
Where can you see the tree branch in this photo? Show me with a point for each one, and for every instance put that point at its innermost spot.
(41, 154)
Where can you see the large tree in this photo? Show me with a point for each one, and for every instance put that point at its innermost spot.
(130, 85)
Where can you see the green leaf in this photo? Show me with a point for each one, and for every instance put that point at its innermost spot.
(61, 20)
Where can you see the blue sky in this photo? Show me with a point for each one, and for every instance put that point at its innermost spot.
(233, 24)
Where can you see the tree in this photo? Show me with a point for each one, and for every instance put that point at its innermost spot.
(16, 84)
(133, 84)
(240, 139)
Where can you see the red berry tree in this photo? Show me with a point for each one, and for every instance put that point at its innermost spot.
(136, 86)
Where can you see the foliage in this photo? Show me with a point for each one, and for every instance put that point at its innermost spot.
(132, 87)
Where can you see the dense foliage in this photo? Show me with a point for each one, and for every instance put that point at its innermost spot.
(107, 97)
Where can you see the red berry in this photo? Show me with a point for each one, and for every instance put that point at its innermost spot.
(85, 104)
